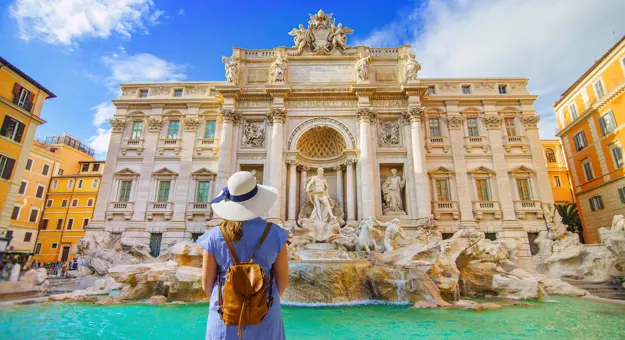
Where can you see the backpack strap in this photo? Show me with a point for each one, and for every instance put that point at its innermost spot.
(229, 243)
(260, 242)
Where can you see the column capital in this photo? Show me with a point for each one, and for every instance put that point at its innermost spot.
(531, 122)
(291, 162)
(414, 114)
(366, 114)
(455, 122)
(302, 167)
(493, 122)
(276, 115)
(191, 124)
(351, 162)
(117, 125)
(338, 167)
(229, 116)
(154, 125)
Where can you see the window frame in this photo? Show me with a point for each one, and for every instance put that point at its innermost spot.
(55, 183)
(594, 87)
(197, 190)
(447, 186)
(432, 89)
(573, 111)
(6, 172)
(45, 170)
(480, 192)
(90, 202)
(136, 131)
(557, 181)
(141, 92)
(508, 127)
(30, 215)
(616, 161)
(121, 187)
(82, 167)
(29, 164)
(95, 167)
(54, 245)
(70, 184)
(438, 127)
(74, 202)
(503, 87)
(621, 193)
(473, 131)
(70, 224)
(178, 90)
(38, 248)
(214, 129)
(64, 203)
(94, 183)
(43, 223)
(602, 125)
(529, 191)
(49, 203)
(170, 134)
(20, 191)
(17, 134)
(59, 223)
(161, 195)
(19, 212)
(596, 203)
(583, 142)
(468, 87)
(43, 191)
(84, 224)
(587, 167)
(79, 183)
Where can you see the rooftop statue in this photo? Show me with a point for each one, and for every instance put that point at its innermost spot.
(322, 36)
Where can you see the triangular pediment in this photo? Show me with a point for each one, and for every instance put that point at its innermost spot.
(126, 172)
(203, 172)
(522, 170)
(441, 170)
(481, 170)
(164, 172)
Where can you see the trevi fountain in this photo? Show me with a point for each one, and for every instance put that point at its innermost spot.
(400, 229)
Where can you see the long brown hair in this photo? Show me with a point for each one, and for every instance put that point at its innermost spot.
(233, 229)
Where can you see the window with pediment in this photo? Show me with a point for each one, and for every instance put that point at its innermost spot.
(524, 179)
(442, 181)
(125, 182)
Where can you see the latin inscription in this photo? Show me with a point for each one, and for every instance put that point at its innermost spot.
(321, 73)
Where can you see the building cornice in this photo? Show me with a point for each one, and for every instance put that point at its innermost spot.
(28, 114)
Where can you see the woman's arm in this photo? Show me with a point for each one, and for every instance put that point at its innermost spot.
(209, 273)
(281, 270)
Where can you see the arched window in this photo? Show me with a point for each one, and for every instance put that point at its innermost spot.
(550, 155)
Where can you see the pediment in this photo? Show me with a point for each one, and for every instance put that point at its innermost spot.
(164, 172)
(203, 172)
(441, 170)
(126, 172)
(522, 170)
(482, 170)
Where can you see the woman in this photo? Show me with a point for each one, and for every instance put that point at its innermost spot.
(240, 204)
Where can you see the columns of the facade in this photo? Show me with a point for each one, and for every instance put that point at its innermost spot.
(107, 183)
(365, 116)
(142, 196)
(183, 189)
(419, 175)
(339, 185)
(292, 192)
(276, 116)
(226, 141)
(303, 176)
(350, 192)
(530, 122)
(505, 192)
(455, 123)
(411, 185)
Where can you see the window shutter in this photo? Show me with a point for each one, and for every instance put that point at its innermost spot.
(19, 133)
(602, 126)
(5, 125)
(28, 105)
(17, 88)
(9, 169)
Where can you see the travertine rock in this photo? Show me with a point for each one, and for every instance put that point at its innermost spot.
(110, 300)
(188, 253)
(102, 250)
(157, 300)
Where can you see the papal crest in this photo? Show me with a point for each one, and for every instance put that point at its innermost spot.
(322, 36)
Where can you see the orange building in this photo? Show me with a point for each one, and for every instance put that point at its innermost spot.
(591, 117)
(558, 171)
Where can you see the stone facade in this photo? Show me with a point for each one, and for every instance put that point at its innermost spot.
(468, 149)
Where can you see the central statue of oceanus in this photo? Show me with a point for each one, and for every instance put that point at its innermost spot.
(322, 36)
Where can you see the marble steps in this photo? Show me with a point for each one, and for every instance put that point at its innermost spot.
(606, 289)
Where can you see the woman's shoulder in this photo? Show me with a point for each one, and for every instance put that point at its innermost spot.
(209, 236)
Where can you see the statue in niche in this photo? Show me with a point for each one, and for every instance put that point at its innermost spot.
(317, 189)
(253, 172)
(412, 67)
(253, 136)
(393, 230)
(232, 70)
(362, 67)
(392, 193)
(389, 133)
(278, 69)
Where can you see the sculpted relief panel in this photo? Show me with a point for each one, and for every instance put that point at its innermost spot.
(253, 134)
(390, 131)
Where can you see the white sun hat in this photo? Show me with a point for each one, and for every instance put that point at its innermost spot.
(243, 199)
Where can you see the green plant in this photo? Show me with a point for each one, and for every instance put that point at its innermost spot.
(570, 217)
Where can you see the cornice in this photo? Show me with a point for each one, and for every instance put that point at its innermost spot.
(28, 114)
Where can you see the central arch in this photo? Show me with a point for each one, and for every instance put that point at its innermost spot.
(339, 128)
(321, 142)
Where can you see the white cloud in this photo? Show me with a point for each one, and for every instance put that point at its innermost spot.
(100, 142)
(64, 22)
(181, 11)
(102, 113)
(550, 42)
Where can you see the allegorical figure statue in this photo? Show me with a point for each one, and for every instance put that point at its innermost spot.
(278, 69)
(362, 67)
(301, 37)
(232, 70)
(412, 67)
(253, 136)
(317, 189)
(339, 36)
(393, 230)
(392, 187)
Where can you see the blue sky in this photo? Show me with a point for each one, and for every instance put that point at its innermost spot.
(83, 49)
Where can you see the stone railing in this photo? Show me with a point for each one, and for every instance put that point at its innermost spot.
(160, 208)
(384, 52)
(522, 207)
(486, 207)
(260, 54)
(445, 207)
(173, 144)
(120, 208)
(510, 142)
(206, 144)
(436, 142)
(132, 144)
(198, 209)
(471, 142)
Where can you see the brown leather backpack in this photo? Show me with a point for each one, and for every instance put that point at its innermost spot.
(244, 301)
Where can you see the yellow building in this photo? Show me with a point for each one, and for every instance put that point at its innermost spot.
(21, 101)
(40, 166)
(69, 208)
(591, 116)
(557, 171)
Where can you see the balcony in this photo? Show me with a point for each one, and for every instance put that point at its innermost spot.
(528, 207)
(510, 142)
(436, 142)
(132, 145)
(471, 142)
(172, 144)
(445, 207)
(486, 207)
(199, 209)
(125, 209)
(206, 144)
(160, 208)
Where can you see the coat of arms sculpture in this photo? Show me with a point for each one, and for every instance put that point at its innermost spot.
(322, 36)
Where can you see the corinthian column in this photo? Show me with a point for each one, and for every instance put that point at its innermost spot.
(303, 176)
(292, 191)
(351, 193)
(339, 185)
(224, 161)
(365, 116)
(418, 162)
(277, 116)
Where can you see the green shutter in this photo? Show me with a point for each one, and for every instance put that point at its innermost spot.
(163, 191)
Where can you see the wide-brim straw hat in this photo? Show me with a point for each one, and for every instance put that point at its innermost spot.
(243, 199)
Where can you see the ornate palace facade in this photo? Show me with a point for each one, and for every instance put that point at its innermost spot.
(466, 151)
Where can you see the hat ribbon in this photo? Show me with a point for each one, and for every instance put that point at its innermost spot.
(225, 194)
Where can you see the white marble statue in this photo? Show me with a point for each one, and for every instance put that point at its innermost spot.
(618, 224)
(339, 36)
(365, 240)
(389, 133)
(232, 70)
(393, 230)
(317, 189)
(253, 172)
(391, 189)
(302, 37)
(253, 136)
(412, 67)
(278, 70)
(362, 67)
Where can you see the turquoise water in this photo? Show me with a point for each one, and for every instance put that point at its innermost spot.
(566, 319)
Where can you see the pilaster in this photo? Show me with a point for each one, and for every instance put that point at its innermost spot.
(183, 189)
(530, 121)
(455, 123)
(142, 197)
